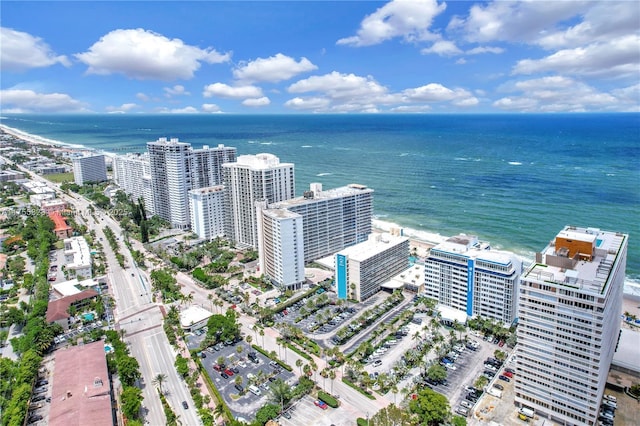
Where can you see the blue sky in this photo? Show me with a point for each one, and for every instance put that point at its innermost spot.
(418, 56)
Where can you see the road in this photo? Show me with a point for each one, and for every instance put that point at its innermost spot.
(138, 316)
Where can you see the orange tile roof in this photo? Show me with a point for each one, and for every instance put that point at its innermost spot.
(59, 221)
(59, 309)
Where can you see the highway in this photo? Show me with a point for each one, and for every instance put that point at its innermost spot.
(139, 317)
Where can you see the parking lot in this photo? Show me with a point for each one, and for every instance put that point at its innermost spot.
(305, 412)
(38, 413)
(245, 372)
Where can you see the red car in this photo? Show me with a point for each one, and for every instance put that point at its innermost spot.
(321, 404)
(228, 372)
(217, 367)
(501, 344)
(508, 373)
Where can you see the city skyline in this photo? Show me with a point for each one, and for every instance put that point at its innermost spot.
(319, 57)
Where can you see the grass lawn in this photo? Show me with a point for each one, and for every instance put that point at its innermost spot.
(59, 177)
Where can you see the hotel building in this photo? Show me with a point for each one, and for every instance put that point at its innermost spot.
(206, 206)
(91, 169)
(332, 219)
(370, 264)
(281, 247)
(465, 274)
(77, 257)
(569, 324)
(252, 179)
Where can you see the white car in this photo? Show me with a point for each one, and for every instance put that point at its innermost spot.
(610, 398)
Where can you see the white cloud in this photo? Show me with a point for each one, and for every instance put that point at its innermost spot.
(232, 92)
(412, 108)
(185, 110)
(442, 48)
(177, 90)
(308, 104)
(122, 108)
(522, 21)
(256, 102)
(26, 101)
(21, 51)
(145, 55)
(399, 18)
(434, 92)
(615, 58)
(340, 86)
(273, 69)
(559, 94)
(143, 97)
(484, 49)
(210, 108)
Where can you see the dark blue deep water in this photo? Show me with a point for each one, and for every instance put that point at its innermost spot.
(513, 180)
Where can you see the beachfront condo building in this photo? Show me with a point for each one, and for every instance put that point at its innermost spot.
(569, 324)
(362, 269)
(466, 275)
(332, 219)
(89, 169)
(170, 165)
(132, 173)
(176, 169)
(252, 179)
(206, 206)
(281, 247)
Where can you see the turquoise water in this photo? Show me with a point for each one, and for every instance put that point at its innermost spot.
(512, 180)
(89, 317)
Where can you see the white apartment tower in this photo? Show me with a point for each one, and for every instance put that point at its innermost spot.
(90, 169)
(467, 275)
(569, 324)
(281, 247)
(332, 219)
(171, 180)
(206, 206)
(176, 168)
(132, 173)
(253, 178)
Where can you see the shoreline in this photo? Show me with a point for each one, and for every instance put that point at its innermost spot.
(422, 240)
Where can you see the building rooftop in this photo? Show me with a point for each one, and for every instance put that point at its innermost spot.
(580, 258)
(60, 224)
(81, 391)
(71, 287)
(258, 162)
(315, 194)
(377, 243)
(280, 214)
(59, 309)
(193, 315)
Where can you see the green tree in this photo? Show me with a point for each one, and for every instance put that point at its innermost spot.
(431, 407)
(391, 415)
(459, 421)
(131, 401)
(437, 372)
(266, 413)
(158, 380)
(182, 365)
(280, 393)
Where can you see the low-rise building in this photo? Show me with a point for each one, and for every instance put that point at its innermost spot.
(194, 318)
(81, 391)
(58, 310)
(53, 205)
(77, 257)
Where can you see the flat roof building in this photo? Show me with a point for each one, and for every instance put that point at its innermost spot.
(569, 324)
(466, 274)
(368, 265)
(90, 169)
(194, 318)
(206, 206)
(77, 256)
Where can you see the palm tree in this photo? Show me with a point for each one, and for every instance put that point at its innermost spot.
(299, 365)
(210, 297)
(280, 393)
(332, 376)
(158, 380)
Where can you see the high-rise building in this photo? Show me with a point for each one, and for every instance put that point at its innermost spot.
(207, 165)
(90, 169)
(333, 219)
(569, 324)
(251, 179)
(132, 173)
(368, 265)
(467, 275)
(176, 168)
(281, 247)
(206, 206)
(170, 165)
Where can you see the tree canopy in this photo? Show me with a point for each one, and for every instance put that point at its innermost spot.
(431, 407)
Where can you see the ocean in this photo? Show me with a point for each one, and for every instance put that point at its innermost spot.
(512, 180)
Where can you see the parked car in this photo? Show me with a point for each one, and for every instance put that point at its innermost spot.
(498, 386)
(321, 404)
(228, 372)
(224, 375)
(505, 378)
(609, 397)
(239, 388)
(508, 374)
(185, 405)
